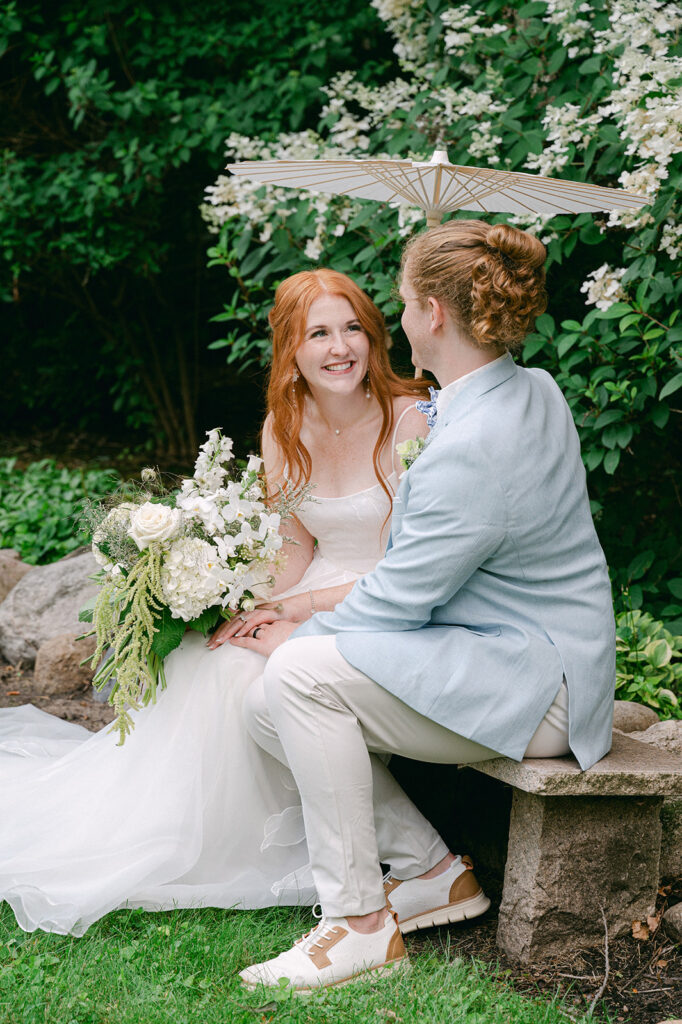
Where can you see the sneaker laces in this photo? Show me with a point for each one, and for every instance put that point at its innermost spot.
(317, 932)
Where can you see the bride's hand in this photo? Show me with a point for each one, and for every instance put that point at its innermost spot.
(268, 638)
(242, 625)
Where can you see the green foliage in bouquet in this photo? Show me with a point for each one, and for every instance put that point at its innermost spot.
(40, 506)
(648, 663)
(174, 558)
(588, 92)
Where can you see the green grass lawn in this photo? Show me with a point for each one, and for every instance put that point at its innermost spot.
(181, 967)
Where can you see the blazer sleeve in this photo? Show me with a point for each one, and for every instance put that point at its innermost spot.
(452, 520)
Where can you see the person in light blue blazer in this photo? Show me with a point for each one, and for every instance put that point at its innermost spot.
(486, 629)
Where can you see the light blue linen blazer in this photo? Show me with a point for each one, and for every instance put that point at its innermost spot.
(494, 584)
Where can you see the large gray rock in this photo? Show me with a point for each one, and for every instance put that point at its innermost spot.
(664, 735)
(44, 604)
(58, 670)
(12, 569)
(628, 716)
(672, 921)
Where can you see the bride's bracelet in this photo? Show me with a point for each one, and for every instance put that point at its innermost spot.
(313, 609)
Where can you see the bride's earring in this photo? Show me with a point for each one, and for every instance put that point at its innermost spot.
(294, 378)
(368, 393)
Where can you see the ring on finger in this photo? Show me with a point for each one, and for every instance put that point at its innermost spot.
(243, 618)
(256, 632)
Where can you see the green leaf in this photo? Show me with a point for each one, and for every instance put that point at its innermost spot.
(675, 587)
(672, 385)
(659, 652)
(660, 416)
(640, 564)
(556, 61)
(613, 312)
(532, 9)
(206, 621)
(533, 344)
(566, 343)
(571, 325)
(590, 66)
(169, 633)
(611, 460)
(608, 416)
(86, 612)
(545, 325)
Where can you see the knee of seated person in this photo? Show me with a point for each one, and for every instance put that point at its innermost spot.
(283, 671)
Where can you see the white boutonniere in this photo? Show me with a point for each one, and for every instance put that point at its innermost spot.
(409, 451)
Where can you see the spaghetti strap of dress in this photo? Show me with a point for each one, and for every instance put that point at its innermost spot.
(394, 461)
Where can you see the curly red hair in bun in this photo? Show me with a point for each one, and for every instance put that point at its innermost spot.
(491, 278)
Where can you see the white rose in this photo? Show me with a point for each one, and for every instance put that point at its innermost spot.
(254, 464)
(248, 604)
(151, 522)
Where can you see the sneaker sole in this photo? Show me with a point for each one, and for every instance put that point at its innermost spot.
(461, 911)
(371, 974)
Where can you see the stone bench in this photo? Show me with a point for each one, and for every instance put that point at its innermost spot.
(579, 842)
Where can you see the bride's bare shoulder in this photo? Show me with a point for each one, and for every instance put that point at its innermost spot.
(410, 422)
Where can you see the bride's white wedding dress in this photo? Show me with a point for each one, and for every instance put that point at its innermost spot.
(189, 812)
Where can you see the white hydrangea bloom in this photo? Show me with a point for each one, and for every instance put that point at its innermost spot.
(463, 25)
(565, 14)
(193, 577)
(671, 240)
(484, 144)
(603, 286)
(565, 126)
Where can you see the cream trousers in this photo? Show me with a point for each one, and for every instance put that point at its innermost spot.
(328, 721)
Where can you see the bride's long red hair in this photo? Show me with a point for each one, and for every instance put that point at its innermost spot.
(288, 318)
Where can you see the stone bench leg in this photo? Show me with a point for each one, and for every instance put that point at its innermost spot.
(570, 856)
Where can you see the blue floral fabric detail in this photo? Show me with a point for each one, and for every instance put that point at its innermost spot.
(429, 409)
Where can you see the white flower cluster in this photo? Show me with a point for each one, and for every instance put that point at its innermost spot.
(462, 26)
(603, 286)
(565, 126)
(572, 30)
(671, 240)
(639, 26)
(215, 542)
(402, 17)
(644, 105)
(484, 143)
(536, 224)
(193, 578)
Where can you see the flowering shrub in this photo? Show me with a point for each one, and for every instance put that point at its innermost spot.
(586, 91)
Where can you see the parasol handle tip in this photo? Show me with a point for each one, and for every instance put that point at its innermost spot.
(433, 218)
(440, 156)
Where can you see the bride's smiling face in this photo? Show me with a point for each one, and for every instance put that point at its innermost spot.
(335, 349)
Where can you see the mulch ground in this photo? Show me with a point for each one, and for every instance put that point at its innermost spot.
(644, 984)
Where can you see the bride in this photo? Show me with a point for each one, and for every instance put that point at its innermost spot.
(190, 812)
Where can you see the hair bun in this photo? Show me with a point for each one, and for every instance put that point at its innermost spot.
(516, 245)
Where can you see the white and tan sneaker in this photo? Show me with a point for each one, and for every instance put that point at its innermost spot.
(454, 895)
(332, 954)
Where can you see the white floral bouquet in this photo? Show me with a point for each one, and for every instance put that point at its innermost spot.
(174, 560)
